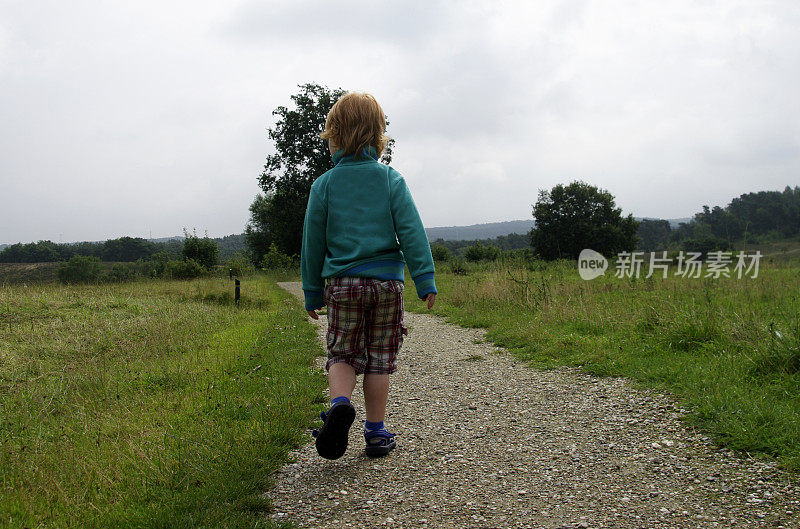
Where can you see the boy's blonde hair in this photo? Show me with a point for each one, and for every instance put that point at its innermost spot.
(356, 121)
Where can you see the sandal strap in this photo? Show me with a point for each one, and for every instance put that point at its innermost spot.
(383, 436)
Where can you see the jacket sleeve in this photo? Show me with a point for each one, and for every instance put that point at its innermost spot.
(411, 235)
(312, 255)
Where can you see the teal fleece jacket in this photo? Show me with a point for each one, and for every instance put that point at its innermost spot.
(361, 221)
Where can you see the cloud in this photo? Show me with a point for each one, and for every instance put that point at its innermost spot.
(330, 24)
(121, 118)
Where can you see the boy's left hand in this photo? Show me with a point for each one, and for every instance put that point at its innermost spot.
(430, 298)
(313, 314)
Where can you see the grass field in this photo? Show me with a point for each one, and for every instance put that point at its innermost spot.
(27, 273)
(162, 404)
(149, 404)
(729, 349)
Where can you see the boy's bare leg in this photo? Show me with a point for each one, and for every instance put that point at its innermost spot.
(341, 380)
(376, 393)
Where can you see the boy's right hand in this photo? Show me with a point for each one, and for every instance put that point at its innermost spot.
(430, 298)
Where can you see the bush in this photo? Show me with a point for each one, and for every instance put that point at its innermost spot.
(188, 269)
(705, 245)
(441, 253)
(240, 264)
(204, 251)
(80, 269)
(482, 252)
(458, 268)
(518, 254)
(276, 260)
(157, 264)
(121, 272)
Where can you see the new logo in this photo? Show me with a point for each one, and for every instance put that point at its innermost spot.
(591, 264)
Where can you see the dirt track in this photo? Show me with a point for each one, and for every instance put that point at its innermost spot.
(485, 441)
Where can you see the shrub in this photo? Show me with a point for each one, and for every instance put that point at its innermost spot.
(276, 260)
(80, 269)
(188, 269)
(121, 272)
(518, 255)
(441, 253)
(705, 245)
(458, 268)
(482, 252)
(240, 264)
(157, 264)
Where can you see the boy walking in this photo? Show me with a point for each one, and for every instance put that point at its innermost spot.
(361, 229)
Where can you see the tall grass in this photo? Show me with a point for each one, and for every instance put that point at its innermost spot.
(149, 404)
(727, 348)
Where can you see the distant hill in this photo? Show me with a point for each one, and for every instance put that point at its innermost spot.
(673, 223)
(168, 239)
(479, 231)
(3, 246)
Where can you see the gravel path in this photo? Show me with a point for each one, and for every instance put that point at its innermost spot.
(485, 441)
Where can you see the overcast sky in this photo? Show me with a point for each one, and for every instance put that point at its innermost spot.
(132, 118)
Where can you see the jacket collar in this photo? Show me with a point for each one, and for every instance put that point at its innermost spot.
(367, 153)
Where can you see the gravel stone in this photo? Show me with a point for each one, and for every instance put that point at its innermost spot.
(486, 441)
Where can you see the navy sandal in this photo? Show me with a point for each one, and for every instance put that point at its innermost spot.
(332, 437)
(379, 442)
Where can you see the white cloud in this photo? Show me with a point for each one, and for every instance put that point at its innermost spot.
(124, 118)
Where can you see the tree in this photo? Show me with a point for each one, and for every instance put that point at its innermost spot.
(440, 253)
(258, 232)
(653, 235)
(300, 157)
(571, 218)
(127, 249)
(205, 251)
(481, 252)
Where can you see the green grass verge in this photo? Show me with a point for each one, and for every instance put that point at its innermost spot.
(149, 404)
(728, 349)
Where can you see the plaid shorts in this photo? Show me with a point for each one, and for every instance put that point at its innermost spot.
(365, 323)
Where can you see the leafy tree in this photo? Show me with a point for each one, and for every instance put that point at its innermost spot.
(258, 232)
(300, 157)
(577, 216)
(204, 251)
(654, 235)
(440, 253)
(275, 259)
(127, 249)
(482, 252)
(230, 246)
(39, 252)
(240, 265)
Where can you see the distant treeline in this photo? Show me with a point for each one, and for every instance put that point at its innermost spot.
(512, 241)
(753, 218)
(124, 249)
